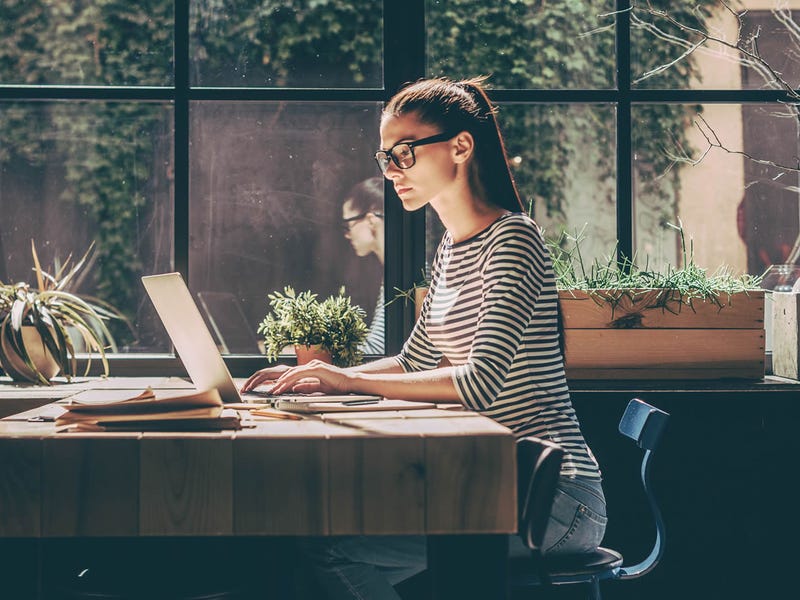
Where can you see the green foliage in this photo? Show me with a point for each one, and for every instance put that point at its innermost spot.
(287, 43)
(345, 329)
(301, 319)
(59, 316)
(610, 280)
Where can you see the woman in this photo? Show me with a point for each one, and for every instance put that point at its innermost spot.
(492, 311)
(362, 221)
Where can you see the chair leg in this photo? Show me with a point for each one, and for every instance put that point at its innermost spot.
(594, 589)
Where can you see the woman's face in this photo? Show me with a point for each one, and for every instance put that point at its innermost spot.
(434, 168)
(359, 229)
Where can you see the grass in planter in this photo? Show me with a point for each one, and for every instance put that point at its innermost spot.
(669, 288)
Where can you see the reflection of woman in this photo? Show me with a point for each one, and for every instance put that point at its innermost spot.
(362, 219)
(492, 310)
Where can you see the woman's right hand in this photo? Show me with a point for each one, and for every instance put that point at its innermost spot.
(263, 376)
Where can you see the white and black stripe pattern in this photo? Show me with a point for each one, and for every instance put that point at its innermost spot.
(492, 311)
(375, 342)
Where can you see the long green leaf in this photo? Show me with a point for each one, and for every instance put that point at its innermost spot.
(38, 267)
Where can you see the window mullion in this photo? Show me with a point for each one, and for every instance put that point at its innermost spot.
(625, 218)
(181, 140)
(404, 61)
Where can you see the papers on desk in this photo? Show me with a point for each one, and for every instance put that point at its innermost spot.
(121, 410)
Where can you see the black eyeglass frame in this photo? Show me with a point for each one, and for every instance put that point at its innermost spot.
(382, 157)
(348, 223)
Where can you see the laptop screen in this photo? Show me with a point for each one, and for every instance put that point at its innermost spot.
(191, 338)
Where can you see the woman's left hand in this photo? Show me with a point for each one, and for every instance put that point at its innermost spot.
(316, 376)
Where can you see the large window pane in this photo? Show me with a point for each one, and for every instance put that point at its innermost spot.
(72, 173)
(713, 45)
(326, 43)
(523, 44)
(741, 212)
(268, 181)
(52, 42)
(563, 163)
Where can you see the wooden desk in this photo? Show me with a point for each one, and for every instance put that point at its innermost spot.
(432, 471)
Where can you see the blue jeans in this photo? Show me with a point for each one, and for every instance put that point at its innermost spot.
(368, 567)
(577, 522)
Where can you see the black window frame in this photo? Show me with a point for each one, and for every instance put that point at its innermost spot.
(404, 36)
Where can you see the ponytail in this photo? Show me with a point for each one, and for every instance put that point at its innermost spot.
(457, 106)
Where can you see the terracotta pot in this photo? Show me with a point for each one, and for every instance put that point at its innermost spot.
(16, 368)
(306, 354)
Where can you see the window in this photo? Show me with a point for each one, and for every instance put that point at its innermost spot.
(220, 138)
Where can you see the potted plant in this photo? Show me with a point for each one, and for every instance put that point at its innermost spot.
(625, 321)
(334, 327)
(44, 328)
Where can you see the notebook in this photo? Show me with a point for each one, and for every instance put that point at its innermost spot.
(195, 346)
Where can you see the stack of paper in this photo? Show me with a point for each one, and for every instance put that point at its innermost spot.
(120, 410)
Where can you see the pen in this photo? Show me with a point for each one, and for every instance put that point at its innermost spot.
(359, 402)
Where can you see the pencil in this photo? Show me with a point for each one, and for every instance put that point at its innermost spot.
(275, 414)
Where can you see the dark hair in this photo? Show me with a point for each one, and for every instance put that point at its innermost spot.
(367, 195)
(458, 106)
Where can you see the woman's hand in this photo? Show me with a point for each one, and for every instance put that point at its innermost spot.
(316, 376)
(263, 376)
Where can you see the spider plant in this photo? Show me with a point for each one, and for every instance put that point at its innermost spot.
(60, 317)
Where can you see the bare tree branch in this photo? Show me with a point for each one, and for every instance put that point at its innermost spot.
(713, 141)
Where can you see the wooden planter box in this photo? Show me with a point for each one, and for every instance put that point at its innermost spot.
(637, 339)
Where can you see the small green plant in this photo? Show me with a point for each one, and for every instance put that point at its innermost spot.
(61, 318)
(335, 324)
(410, 295)
(668, 288)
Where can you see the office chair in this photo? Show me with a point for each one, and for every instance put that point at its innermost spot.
(538, 464)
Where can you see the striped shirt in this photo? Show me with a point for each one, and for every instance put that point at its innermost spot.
(374, 344)
(492, 312)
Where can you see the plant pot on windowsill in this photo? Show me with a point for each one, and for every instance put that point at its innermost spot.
(49, 315)
(657, 334)
(305, 354)
(300, 320)
(626, 322)
(38, 355)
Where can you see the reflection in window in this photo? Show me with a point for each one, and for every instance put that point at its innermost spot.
(268, 183)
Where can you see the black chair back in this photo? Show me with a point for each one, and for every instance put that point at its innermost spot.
(538, 467)
(645, 424)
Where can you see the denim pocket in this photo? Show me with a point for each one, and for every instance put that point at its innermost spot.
(573, 527)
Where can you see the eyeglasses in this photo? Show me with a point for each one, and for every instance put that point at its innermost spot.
(350, 222)
(402, 153)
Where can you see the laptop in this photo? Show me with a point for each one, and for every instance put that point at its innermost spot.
(191, 338)
(197, 349)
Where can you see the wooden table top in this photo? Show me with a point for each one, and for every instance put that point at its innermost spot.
(405, 472)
